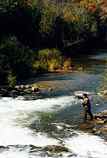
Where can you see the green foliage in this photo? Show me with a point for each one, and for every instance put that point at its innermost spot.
(48, 54)
(8, 4)
(40, 24)
(11, 80)
(15, 58)
(38, 66)
(54, 64)
(67, 64)
(80, 20)
(48, 16)
(47, 60)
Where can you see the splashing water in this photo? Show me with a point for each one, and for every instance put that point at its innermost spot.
(12, 133)
(12, 109)
(87, 146)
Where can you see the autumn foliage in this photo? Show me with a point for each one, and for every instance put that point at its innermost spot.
(31, 28)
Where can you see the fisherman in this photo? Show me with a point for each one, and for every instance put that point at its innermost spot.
(87, 107)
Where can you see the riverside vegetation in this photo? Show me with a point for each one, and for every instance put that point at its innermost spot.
(36, 35)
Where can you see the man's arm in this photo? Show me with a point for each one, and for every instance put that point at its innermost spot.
(85, 101)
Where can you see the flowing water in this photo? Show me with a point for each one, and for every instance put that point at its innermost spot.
(27, 126)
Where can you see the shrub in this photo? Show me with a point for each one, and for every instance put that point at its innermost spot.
(67, 64)
(39, 66)
(54, 64)
(17, 58)
(48, 16)
(47, 60)
(11, 80)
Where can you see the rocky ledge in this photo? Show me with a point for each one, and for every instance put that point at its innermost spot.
(97, 126)
(24, 90)
(47, 151)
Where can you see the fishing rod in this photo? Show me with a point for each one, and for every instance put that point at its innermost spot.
(79, 94)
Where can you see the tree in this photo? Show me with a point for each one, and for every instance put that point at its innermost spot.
(16, 58)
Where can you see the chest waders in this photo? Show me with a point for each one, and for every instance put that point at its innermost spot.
(87, 110)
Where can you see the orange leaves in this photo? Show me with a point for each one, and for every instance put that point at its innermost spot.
(71, 18)
(90, 5)
(103, 7)
(83, 3)
(69, 15)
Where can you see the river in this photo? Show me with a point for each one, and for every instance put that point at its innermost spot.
(27, 126)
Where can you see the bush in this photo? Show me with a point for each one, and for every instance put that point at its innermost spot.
(38, 66)
(47, 60)
(54, 64)
(48, 16)
(67, 64)
(11, 80)
(17, 58)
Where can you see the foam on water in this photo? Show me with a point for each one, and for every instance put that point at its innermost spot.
(14, 154)
(87, 146)
(9, 104)
(14, 135)
(11, 133)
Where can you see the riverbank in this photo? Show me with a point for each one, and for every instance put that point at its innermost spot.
(28, 91)
(98, 126)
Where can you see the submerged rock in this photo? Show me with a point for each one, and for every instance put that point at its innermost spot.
(72, 155)
(56, 149)
(3, 148)
(98, 126)
(104, 129)
(99, 121)
(86, 126)
(105, 92)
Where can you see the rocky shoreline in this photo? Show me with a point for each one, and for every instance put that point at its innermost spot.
(24, 90)
(98, 126)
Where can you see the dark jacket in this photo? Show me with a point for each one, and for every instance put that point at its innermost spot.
(86, 103)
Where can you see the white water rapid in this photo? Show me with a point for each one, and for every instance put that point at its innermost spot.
(14, 130)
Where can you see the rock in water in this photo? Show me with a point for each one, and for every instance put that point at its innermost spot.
(56, 149)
